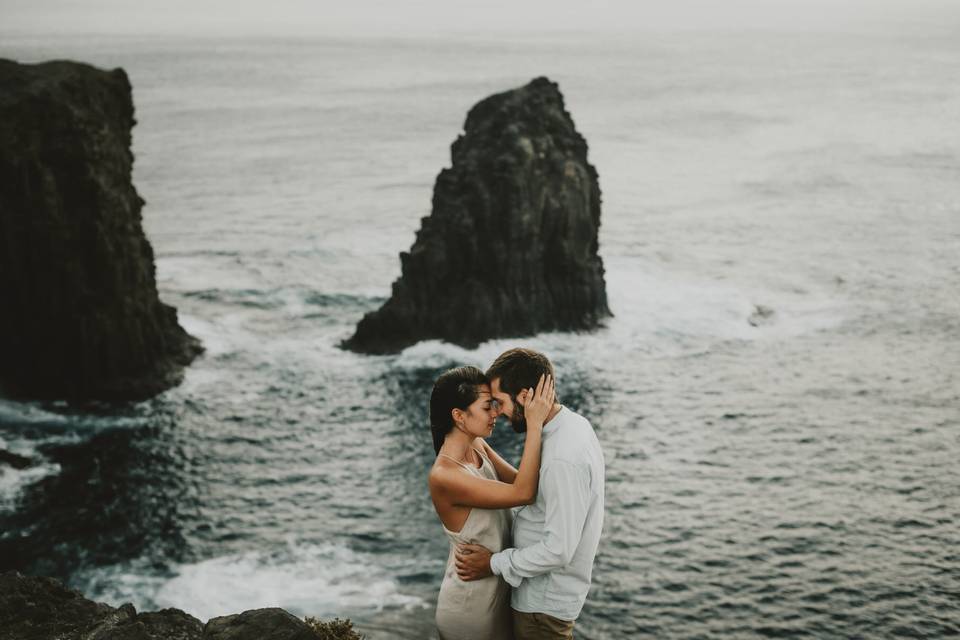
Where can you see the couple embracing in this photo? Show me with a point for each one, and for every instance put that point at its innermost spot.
(522, 541)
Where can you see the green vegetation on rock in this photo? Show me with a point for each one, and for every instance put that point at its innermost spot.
(335, 629)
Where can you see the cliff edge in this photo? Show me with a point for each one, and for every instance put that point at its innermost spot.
(81, 315)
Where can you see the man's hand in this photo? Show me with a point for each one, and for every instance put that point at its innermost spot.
(472, 561)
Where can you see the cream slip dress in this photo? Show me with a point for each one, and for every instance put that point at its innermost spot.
(478, 609)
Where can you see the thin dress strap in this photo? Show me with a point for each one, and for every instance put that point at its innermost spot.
(465, 465)
(483, 458)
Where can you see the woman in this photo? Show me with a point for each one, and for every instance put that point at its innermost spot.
(473, 489)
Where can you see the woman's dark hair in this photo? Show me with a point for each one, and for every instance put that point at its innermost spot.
(454, 389)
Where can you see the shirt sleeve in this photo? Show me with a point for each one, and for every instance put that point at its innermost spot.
(566, 494)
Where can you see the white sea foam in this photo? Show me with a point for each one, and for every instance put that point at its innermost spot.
(663, 311)
(218, 336)
(305, 579)
(14, 481)
(434, 354)
(20, 413)
(59, 428)
(650, 302)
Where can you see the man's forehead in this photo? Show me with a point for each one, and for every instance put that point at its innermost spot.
(495, 387)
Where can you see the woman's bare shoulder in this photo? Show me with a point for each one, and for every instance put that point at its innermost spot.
(442, 472)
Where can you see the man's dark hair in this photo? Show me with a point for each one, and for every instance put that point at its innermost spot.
(520, 369)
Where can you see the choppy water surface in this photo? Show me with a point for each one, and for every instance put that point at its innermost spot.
(798, 478)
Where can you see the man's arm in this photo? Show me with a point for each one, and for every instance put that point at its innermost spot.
(567, 495)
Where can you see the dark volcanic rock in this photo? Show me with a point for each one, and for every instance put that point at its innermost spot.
(258, 624)
(81, 317)
(42, 608)
(170, 624)
(510, 248)
(34, 608)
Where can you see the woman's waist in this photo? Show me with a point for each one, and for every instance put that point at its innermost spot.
(494, 541)
(452, 583)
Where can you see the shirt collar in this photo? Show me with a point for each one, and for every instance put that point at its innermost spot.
(552, 425)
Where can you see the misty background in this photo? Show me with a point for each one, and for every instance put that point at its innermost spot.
(437, 18)
(793, 478)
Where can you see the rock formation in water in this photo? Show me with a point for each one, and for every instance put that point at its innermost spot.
(81, 316)
(33, 608)
(762, 315)
(510, 247)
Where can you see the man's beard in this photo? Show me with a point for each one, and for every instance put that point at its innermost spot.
(518, 421)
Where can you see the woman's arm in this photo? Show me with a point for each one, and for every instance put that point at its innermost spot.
(466, 490)
(460, 489)
(505, 470)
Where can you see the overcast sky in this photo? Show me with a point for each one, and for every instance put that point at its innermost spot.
(436, 17)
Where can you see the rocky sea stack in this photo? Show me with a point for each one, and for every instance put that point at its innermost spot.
(33, 608)
(510, 247)
(81, 315)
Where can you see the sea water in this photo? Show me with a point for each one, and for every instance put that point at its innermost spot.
(794, 476)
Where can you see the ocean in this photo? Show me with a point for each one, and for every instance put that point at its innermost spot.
(787, 472)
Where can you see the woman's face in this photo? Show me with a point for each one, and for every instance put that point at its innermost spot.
(479, 418)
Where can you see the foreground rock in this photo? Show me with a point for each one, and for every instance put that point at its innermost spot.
(510, 248)
(34, 608)
(258, 624)
(81, 315)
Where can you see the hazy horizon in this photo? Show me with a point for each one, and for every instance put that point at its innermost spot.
(433, 17)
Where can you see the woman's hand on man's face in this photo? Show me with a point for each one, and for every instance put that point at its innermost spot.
(538, 402)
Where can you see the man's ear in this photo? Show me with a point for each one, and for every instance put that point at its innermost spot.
(522, 397)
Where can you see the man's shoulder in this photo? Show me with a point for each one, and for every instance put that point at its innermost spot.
(575, 427)
(568, 416)
(575, 442)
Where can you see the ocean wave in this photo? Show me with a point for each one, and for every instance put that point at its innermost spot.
(22, 413)
(294, 301)
(436, 354)
(14, 481)
(320, 580)
(29, 429)
(653, 303)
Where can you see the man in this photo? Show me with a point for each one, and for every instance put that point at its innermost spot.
(555, 538)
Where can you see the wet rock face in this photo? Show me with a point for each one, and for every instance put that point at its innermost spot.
(510, 248)
(81, 316)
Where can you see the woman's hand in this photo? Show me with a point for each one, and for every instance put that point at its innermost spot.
(538, 403)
